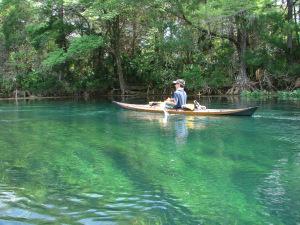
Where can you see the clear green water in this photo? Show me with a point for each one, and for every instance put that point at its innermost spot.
(69, 162)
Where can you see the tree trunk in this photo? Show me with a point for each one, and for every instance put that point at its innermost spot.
(98, 63)
(62, 41)
(117, 54)
(290, 34)
(296, 21)
(298, 11)
(120, 74)
(134, 37)
(242, 80)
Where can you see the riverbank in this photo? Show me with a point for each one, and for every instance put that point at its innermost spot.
(254, 94)
(248, 94)
(35, 98)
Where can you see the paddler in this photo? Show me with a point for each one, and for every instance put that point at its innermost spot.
(179, 97)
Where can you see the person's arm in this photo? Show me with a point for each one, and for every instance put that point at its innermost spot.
(169, 100)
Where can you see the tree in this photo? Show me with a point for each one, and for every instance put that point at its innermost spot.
(105, 45)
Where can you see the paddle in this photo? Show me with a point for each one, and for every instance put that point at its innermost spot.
(163, 105)
(155, 103)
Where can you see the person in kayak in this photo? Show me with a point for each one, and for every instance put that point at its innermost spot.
(179, 96)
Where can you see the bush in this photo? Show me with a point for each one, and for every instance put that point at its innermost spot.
(287, 94)
(7, 87)
(263, 94)
(38, 83)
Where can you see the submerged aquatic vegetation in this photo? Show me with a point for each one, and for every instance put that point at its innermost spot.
(92, 162)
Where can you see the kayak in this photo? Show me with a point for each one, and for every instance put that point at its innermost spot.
(197, 112)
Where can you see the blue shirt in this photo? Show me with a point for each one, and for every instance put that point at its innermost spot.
(180, 98)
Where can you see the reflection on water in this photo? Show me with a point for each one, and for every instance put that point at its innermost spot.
(179, 124)
(181, 131)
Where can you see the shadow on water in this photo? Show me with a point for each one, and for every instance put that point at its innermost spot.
(169, 206)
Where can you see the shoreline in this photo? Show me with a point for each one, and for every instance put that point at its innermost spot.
(249, 95)
(117, 95)
(34, 98)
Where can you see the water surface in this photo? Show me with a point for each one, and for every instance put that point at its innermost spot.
(76, 162)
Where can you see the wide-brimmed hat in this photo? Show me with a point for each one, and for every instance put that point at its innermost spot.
(179, 81)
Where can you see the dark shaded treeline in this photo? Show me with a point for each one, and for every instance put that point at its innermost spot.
(57, 47)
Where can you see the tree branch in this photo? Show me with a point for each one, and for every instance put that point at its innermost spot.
(203, 30)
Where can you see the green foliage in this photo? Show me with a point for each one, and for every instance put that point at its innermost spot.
(279, 94)
(78, 43)
(289, 94)
(83, 46)
(55, 58)
(194, 77)
(40, 84)
(256, 94)
(23, 60)
(294, 69)
(7, 86)
(40, 35)
(80, 48)
(15, 15)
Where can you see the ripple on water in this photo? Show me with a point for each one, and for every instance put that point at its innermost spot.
(272, 192)
(6, 222)
(93, 195)
(93, 113)
(14, 208)
(15, 213)
(12, 120)
(292, 118)
(101, 207)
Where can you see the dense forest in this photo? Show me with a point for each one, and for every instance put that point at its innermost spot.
(76, 47)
